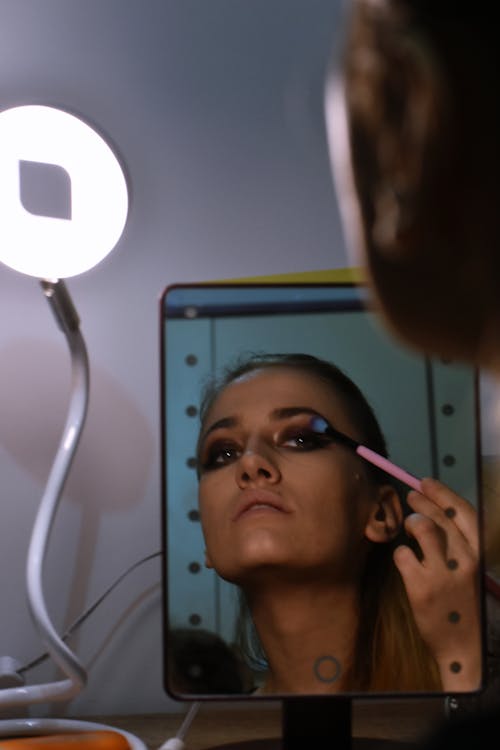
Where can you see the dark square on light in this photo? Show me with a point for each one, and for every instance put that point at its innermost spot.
(45, 189)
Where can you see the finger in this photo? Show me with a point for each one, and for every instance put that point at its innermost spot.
(444, 496)
(430, 537)
(455, 546)
(424, 506)
(406, 562)
(427, 507)
(456, 508)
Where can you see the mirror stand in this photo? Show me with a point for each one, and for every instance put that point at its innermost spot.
(323, 722)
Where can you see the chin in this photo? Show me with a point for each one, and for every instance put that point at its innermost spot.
(252, 568)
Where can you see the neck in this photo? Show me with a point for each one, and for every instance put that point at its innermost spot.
(308, 634)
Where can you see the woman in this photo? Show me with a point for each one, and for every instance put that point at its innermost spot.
(309, 531)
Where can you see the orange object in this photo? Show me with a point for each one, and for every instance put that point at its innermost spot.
(94, 740)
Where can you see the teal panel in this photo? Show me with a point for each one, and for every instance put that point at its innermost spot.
(410, 396)
(188, 593)
(457, 433)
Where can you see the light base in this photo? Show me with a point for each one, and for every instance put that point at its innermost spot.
(42, 727)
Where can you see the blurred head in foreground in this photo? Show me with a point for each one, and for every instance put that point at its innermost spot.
(413, 124)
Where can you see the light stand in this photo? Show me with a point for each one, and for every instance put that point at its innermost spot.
(68, 321)
(53, 244)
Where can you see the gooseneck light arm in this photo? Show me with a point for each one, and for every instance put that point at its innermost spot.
(76, 677)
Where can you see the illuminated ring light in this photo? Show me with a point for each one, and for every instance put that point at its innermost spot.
(50, 247)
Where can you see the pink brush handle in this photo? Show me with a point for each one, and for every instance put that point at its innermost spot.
(389, 467)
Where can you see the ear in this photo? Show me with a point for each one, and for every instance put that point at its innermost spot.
(386, 516)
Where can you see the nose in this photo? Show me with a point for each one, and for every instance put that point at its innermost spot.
(255, 467)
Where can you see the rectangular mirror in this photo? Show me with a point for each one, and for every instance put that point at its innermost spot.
(259, 600)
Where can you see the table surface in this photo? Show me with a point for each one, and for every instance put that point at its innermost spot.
(218, 725)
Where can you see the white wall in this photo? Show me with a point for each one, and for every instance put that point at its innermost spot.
(216, 109)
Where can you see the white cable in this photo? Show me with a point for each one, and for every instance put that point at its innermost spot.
(174, 743)
(177, 742)
(62, 655)
(76, 624)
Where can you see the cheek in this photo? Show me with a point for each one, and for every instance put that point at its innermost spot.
(206, 507)
(340, 475)
(340, 494)
(212, 504)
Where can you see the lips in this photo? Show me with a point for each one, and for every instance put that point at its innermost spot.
(254, 500)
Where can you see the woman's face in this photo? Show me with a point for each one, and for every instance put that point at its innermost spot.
(272, 494)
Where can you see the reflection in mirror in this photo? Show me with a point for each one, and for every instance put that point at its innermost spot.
(299, 558)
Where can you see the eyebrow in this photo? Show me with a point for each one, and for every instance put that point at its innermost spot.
(283, 412)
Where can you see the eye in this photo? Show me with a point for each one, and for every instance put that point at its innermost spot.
(304, 439)
(218, 454)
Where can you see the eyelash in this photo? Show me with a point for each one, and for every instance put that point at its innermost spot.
(311, 441)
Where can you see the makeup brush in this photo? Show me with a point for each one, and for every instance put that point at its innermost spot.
(319, 424)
